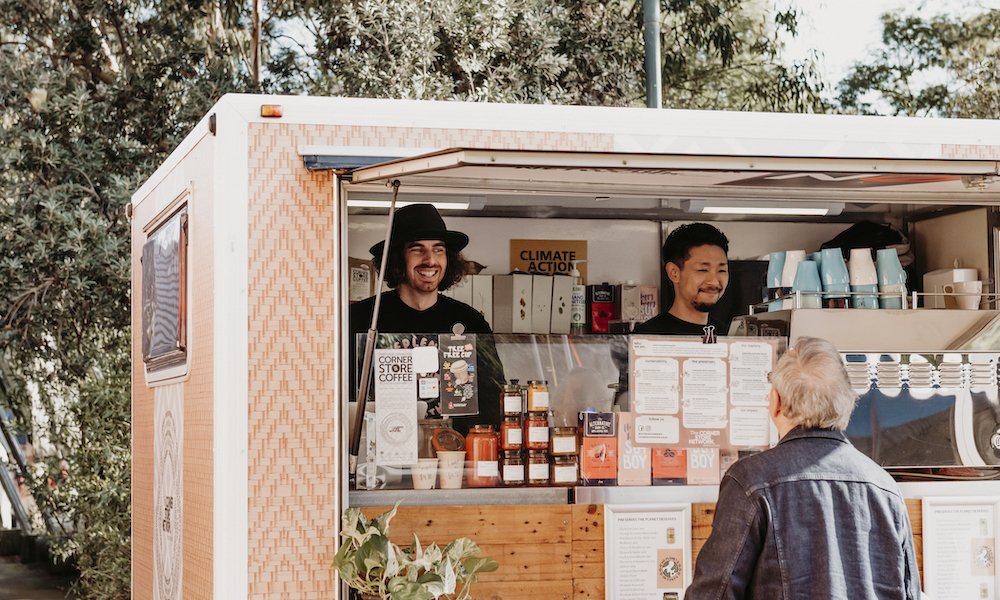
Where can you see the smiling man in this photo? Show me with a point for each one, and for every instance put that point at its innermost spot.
(424, 259)
(694, 258)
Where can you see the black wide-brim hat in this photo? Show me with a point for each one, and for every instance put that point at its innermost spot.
(420, 222)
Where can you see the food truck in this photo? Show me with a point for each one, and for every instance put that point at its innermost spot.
(251, 240)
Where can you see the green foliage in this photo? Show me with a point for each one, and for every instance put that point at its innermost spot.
(371, 564)
(939, 66)
(92, 97)
(716, 54)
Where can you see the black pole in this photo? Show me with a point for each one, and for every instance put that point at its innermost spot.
(651, 42)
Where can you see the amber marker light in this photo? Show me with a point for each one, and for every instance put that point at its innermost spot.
(272, 111)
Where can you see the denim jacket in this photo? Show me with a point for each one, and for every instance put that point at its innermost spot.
(810, 518)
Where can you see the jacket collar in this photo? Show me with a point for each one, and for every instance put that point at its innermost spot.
(804, 432)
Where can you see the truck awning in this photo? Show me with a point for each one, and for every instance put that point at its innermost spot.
(665, 176)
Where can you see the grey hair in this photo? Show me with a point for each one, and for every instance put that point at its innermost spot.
(813, 385)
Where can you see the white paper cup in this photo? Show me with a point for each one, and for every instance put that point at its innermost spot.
(424, 473)
(451, 465)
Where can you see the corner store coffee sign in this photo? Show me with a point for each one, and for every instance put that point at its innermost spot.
(548, 257)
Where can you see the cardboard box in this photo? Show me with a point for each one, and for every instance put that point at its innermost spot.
(649, 302)
(541, 303)
(634, 464)
(482, 296)
(512, 303)
(628, 302)
(461, 291)
(599, 448)
(362, 279)
(562, 292)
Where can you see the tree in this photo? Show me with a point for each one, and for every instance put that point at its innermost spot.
(717, 54)
(92, 97)
(938, 66)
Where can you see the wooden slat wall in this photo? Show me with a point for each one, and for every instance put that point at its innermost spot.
(546, 551)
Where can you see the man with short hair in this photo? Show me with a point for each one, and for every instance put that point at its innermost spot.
(694, 258)
(812, 517)
(424, 259)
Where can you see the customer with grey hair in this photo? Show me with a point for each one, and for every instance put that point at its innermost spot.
(812, 517)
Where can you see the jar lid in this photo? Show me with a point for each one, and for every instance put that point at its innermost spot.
(538, 453)
(512, 419)
(510, 454)
(447, 439)
(564, 430)
(481, 428)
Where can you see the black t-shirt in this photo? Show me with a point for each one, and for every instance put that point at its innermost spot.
(667, 324)
(395, 316)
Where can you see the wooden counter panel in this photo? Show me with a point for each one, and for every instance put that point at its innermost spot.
(530, 562)
(548, 551)
(589, 589)
(588, 522)
(523, 590)
(484, 524)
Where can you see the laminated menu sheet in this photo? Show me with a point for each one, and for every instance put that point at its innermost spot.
(647, 551)
(960, 547)
(688, 394)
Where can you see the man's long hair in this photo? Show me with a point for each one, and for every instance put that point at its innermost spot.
(395, 267)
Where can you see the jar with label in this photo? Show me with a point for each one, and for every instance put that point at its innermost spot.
(564, 470)
(511, 434)
(513, 399)
(538, 467)
(482, 454)
(563, 441)
(536, 431)
(512, 468)
(538, 396)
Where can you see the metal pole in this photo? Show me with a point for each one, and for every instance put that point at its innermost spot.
(366, 364)
(651, 42)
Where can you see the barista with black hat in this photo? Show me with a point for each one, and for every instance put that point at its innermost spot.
(423, 260)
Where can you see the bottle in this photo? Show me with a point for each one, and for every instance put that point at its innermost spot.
(482, 454)
(577, 302)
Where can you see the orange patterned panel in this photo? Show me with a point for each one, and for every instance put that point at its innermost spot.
(292, 421)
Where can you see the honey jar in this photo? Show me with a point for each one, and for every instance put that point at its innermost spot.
(538, 468)
(513, 399)
(536, 431)
(511, 434)
(564, 470)
(563, 442)
(512, 468)
(538, 396)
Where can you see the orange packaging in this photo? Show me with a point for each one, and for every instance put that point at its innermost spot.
(669, 466)
(598, 448)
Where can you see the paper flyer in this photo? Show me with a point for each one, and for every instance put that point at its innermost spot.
(395, 407)
(459, 375)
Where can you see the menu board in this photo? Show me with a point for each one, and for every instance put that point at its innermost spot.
(710, 399)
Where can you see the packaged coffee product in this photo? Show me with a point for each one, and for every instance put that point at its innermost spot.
(598, 448)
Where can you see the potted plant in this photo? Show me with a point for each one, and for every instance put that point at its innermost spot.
(379, 569)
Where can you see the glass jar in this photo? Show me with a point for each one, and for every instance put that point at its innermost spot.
(538, 396)
(538, 467)
(564, 470)
(481, 452)
(512, 468)
(513, 399)
(563, 441)
(536, 431)
(511, 434)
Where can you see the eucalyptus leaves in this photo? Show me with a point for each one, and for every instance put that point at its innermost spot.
(371, 564)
